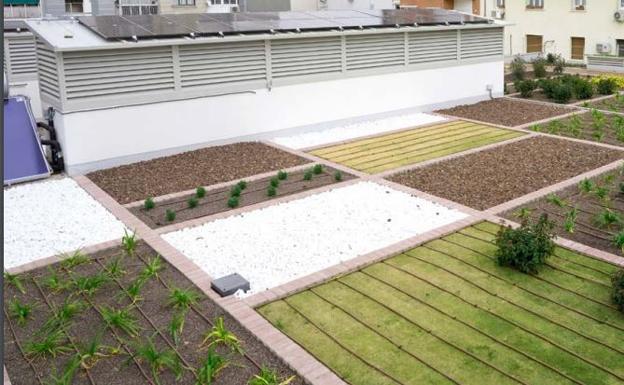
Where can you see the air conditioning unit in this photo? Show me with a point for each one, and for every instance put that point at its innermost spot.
(604, 48)
(497, 14)
(619, 16)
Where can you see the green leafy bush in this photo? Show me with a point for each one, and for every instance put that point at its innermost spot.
(548, 87)
(200, 192)
(170, 215)
(559, 65)
(518, 68)
(337, 176)
(550, 58)
(282, 175)
(233, 202)
(606, 86)
(307, 175)
(271, 191)
(527, 247)
(539, 68)
(192, 202)
(242, 184)
(562, 93)
(235, 191)
(149, 203)
(583, 89)
(618, 289)
(274, 182)
(526, 87)
(317, 169)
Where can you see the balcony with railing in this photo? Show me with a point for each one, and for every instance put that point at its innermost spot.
(138, 7)
(21, 9)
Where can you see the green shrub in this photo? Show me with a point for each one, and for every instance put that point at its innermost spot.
(621, 187)
(274, 182)
(307, 175)
(562, 93)
(337, 176)
(583, 89)
(271, 191)
(170, 215)
(606, 86)
(235, 191)
(527, 247)
(539, 68)
(242, 184)
(548, 87)
(282, 175)
(518, 68)
(149, 203)
(232, 202)
(192, 202)
(618, 289)
(618, 240)
(559, 65)
(526, 88)
(200, 192)
(317, 169)
(550, 58)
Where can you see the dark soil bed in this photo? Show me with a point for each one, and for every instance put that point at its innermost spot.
(506, 112)
(613, 104)
(119, 362)
(581, 224)
(491, 177)
(216, 201)
(596, 126)
(539, 96)
(191, 169)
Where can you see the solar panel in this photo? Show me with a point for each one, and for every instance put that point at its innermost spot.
(152, 26)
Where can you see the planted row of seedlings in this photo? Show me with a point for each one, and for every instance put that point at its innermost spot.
(594, 125)
(613, 104)
(125, 316)
(565, 89)
(203, 203)
(590, 213)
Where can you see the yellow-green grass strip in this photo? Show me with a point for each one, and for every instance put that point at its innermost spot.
(395, 150)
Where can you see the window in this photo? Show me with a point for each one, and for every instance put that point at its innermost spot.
(579, 5)
(500, 3)
(73, 6)
(225, 2)
(578, 48)
(535, 4)
(620, 46)
(534, 43)
(186, 2)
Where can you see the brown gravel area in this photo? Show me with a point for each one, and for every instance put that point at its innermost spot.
(584, 229)
(489, 178)
(216, 200)
(506, 112)
(188, 170)
(152, 314)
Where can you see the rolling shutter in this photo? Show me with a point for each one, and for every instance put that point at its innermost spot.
(534, 43)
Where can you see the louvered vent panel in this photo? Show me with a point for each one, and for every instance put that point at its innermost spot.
(222, 63)
(22, 55)
(425, 47)
(47, 70)
(374, 51)
(118, 72)
(298, 57)
(481, 43)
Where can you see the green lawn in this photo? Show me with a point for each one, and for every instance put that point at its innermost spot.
(445, 313)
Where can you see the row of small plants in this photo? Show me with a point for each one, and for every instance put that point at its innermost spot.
(233, 200)
(519, 67)
(600, 126)
(529, 246)
(563, 88)
(615, 104)
(53, 339)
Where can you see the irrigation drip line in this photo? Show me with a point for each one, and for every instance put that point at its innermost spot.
(386, 338)
(547, 319)
(540, 278)
(172, 346)
(585, 224)
(353, 353)
(119, 339)
(201, 315)
(69, 337)
(19, 346)
(531, 292)
(515, 324)
(553, 267)
(431, 332)
(511, 347)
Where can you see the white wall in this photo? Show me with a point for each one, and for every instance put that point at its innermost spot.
(464, 6)
(28, 88)
(102, 138)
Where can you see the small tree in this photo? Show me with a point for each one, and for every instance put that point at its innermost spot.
(559, 65)
(539, 68)
(618, 289)
(518, 68)
(527, 247)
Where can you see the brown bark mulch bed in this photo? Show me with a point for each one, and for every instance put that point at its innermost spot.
(188, 170)
(595, 126)
(576, 210)
(506, 112)
(491, 177)
(117, 361)
(216, 201)
(614, 104)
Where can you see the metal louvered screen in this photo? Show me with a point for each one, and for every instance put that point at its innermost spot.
(481, 43)
(22, 55)
(222, 63)
(118, 72)
(47, 71)
(298, 57)
(374, 51)
(426, 47)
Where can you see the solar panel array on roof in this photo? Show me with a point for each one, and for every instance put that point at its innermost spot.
(160, 26)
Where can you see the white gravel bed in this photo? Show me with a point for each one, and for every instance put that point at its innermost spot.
(277, 244)
(356, 130)
(42, 219)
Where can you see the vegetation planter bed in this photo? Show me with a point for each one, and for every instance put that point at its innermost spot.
(506, 112)
(595, 125)
(188, 170)
(277, 244)
(84, 305)
(613, 104)
(387, 152)
(219, 200)
(446, 313)
(491, 177)
(589, 213)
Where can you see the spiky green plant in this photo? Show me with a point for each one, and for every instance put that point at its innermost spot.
(149, 203)
(233, 202)
(271, 191)
(536, 128)
(121, 319)
(176, 325)
(618, 240)
(523, 213)
(200, 192)
(62, 315)
(170, 215)
(269, 377)
(192, 202)
(282, 175)
(51, 345)
(67, 376)
(89, 284)
(570, 220)
(308, 175)
(575, 126)
(89, 354)
(586, 186)
(20, 311)
(75, 259)
(54, 283)
(607, 218)
(554, 199)
(220, 335)
(114, 269)
(158, 360)
(152, 267)
(210, 368)
(134, 290)
(15, 281)
(182, 299)
(602, 192)
(129, 242)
